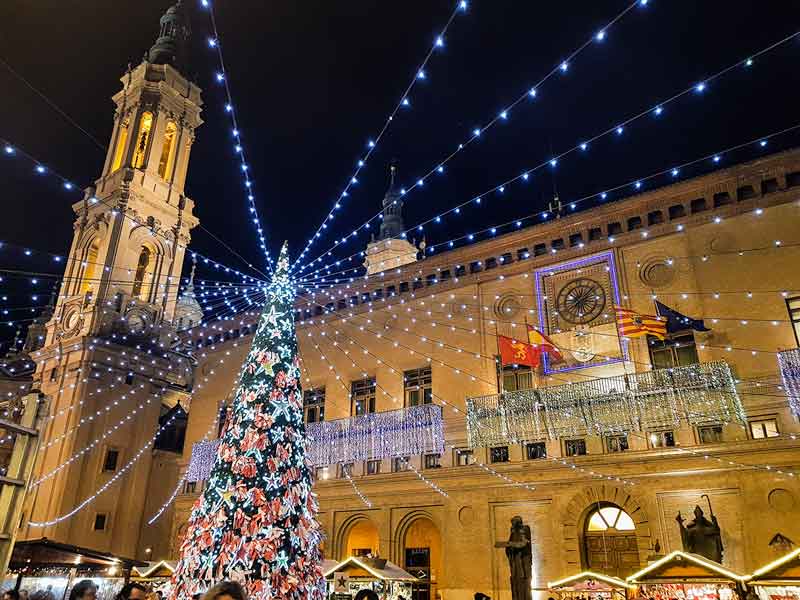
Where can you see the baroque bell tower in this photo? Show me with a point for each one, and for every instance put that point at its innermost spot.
(132, 228)
(106, 365)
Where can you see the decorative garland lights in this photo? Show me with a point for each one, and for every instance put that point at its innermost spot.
(697, 394)
(789, 362)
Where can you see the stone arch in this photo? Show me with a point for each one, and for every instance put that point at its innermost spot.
(342, 534)
(408, 524)
(580, 507)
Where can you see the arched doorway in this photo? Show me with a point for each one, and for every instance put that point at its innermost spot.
(421, 556)
(609, 541)
(361, 539)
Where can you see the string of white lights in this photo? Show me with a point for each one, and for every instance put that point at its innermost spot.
(635, 185)
(617, 129)
(358, 492)
(420, 74)
(122, 471)
(221, 77)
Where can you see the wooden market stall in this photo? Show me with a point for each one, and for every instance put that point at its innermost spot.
(778, 580)
(684, 576)
(156, 575)
(588, 585)
(355, 573)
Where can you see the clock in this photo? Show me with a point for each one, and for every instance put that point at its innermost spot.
(581, 301)
(138, 321)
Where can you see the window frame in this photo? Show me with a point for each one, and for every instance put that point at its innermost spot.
(701, 428)
(538, 444)
(459, 452)
(659, 433)
(793, 309)
(373, 467)
(432, 460)
(517, 372)
(494, 458)
(420, 381)
(314, 400)
(670, 346)
(106, 517)
(400, 464)
(109, 450)
(345, 469)
(761, 420)
(622, 438)
(364, 390)
(567, 443)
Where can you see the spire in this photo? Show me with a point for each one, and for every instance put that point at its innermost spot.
(190, 285)
(172, 37)
(392, 225)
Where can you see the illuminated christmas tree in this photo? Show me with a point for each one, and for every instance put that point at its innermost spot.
(256, 520)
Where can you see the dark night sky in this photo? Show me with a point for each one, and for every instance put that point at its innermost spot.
(313, 80)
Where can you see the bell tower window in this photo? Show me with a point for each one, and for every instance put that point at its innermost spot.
(141, 286)
(90, 269)
(168, 151)
(122, 140)
(143, 137)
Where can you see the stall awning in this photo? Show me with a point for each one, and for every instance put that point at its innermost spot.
(780, 571)
(160, 568)
(45, 553)
(361, 567)
(588, 580)
(678, 567)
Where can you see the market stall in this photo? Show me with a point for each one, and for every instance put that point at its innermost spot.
(157, 575)
(778, 580)
(385, 578)
(589, 586)
(684, 576)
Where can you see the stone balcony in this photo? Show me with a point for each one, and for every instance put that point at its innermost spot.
(698, 394)
(789, 362)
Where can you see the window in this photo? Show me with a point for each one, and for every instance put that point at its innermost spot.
(321, 473)
(463, 457)
(575, 447)
(140, 289)
(100, 521)
(345, 470)
(119, 152)
(498, 454)
(168, 151)
(129, 379)
(433, 461)
(314, 405)
(662, 439)
(143, 137)
(517, 378)
(400, 464)
(417, 385)
(710, 434)
(53, 373)
(190, 487)
(373, 467)
(535, 450)
(617, 443)
(764, 428)
(362, 397)
(609, 541)
(793, 306)
(90, 265)
(110, 461)
(675, 351)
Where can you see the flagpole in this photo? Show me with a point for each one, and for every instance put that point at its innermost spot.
(497, 356)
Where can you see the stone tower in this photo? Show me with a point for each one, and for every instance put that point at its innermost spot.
(392, 249)
(106, 363)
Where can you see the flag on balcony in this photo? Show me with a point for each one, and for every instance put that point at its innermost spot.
(543, 343)
(678, 321)
(515, 352)
(633, 324)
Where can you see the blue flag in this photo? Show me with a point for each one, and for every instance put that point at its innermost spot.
(677, 321)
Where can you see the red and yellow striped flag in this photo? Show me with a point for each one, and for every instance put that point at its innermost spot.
(632, 324)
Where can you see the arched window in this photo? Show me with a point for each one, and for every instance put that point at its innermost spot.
(168, 150)
(122, 140)
(609, 541)
(142, 137)
(90, 266)
(141, 287)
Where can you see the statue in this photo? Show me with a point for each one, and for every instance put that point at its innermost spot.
(702, 536)
(520, 557)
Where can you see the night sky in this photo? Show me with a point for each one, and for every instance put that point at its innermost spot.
(314, 80)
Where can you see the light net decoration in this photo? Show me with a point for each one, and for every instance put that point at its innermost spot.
(789, 361)
(403, 432)
(697, 394)
(204, 453)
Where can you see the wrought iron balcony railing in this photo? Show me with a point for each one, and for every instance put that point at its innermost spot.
(704, 393)
(789, 362)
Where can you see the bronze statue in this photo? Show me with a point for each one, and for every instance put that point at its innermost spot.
(520, 557)
(702, 536)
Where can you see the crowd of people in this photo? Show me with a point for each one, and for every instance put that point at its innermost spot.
(86, 589)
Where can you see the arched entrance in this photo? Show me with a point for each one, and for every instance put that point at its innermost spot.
(422, 555)
(609, 541)
(360, 539)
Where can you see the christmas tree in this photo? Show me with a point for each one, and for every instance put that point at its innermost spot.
(256, 520)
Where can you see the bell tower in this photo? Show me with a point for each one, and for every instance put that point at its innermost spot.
(132, 227)
(106, 365)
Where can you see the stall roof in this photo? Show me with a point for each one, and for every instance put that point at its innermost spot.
(160, 568)
(48, 553)
(682, 566)
(783, 569)
(390, 572)
(586, 576)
